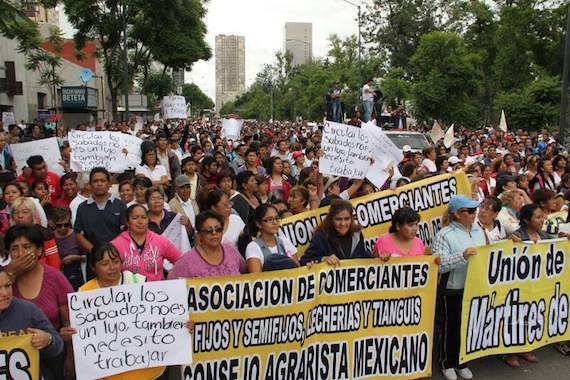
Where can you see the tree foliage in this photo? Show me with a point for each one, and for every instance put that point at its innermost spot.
(197, 98)
(45, 62)
(171, 32)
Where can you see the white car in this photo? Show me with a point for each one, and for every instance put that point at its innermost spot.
(417, 141)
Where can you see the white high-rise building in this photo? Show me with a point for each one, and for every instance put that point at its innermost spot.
(299, 41)
(230, 68)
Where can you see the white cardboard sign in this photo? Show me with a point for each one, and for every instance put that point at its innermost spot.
(174, 107)
(47, 148)
(128, 327)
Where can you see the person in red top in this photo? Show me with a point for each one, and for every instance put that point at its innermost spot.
(68, 185)
(40, 171)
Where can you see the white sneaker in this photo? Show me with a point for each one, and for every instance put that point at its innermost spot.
(465, 373)
(449, 373)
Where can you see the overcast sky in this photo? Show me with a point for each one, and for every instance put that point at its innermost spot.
(262, 23)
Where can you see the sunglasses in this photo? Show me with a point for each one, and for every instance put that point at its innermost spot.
(213, 231)
(469, 210)
(62, 225)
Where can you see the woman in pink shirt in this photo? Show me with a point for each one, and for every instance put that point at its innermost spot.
(401, 240)
(143, 251)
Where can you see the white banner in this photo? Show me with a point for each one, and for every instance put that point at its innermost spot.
(347, 151)
(7, 119)
(47, 148)
(177, 234)
(174, 107)
(231, 129)
(105, 149)
(128, 327)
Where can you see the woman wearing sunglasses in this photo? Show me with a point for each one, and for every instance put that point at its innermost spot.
(71, 253)
(269, 251)
(211, 258)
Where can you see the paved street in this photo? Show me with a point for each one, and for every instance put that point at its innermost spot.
(553, 365)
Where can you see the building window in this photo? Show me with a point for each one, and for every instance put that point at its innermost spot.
(42, 100)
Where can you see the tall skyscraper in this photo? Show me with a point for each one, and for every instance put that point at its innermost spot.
(230, 68)
(299, 41)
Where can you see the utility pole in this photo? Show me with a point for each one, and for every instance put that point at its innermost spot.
(125, 64)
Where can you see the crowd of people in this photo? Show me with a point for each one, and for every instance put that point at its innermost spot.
(230, 197)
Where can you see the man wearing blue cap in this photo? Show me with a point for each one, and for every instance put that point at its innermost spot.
(455, 243)
(335, 95)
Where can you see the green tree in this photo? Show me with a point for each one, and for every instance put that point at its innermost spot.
(14, 24)
(446, 79)
(152, 28)
(396, 88)
(196, 97)
(157, 85)
(535, 106)
(395, 27)
(45, 62)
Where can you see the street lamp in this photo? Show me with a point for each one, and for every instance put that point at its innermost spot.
(359, 43)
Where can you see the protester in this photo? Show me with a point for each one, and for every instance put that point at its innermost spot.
(487, 218)
(212, 257)
(151, 168)
(159, 218)
(512, 202)
(141, 250)
(337, 238)
(68, 247)
(269, 251)
(42, 285)
(246, 201)
(106, 263)
(219, 202)
(24, 212)
(455, 243)
(18, 316)
(401, 240)
(126, 191)
(277, 182)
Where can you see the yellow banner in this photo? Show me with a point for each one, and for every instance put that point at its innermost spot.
(362, 319)
(516, 298)
(18, 359)
(374, 212)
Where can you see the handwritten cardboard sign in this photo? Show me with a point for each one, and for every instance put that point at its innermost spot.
(47, 148)
(128, 327)
(104, 149)
(347, 151)
(174, 107)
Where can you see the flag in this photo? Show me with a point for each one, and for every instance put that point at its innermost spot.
(436, 133)
(503, 122)
(449, 138)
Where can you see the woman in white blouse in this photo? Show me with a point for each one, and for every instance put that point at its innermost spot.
(150, 167)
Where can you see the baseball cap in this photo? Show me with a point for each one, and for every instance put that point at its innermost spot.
(182, 180)
(297, 154)
(460, 201)
(335, 82)
(453, 160)
(406, 148)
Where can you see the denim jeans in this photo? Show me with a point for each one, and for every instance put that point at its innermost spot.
(367, 111)
(336, 109)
